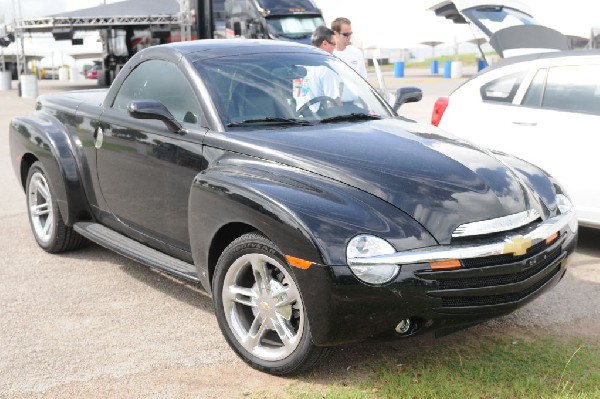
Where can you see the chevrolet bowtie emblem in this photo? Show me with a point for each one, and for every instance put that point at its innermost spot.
(517, 245)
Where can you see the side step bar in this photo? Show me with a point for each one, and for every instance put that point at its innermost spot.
(134, 250)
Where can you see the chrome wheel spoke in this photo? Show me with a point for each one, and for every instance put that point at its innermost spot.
(42, 189)
(47, 226)
(256, 332)
(242, 295)
(261, 274)
(40, 210)
(284, 330)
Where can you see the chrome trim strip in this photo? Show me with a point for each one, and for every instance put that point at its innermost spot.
(496, 225)
(444, 252)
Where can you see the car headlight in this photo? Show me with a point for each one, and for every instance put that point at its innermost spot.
(564, 203)
(364, 246)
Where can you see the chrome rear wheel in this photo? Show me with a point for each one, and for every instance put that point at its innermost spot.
(41, 211)
(45, 218)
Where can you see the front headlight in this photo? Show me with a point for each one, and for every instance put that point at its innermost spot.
(564, 203)
(365, 246)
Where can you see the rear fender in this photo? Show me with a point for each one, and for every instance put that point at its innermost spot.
(42, 137)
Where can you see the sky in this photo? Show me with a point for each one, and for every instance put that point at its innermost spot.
(381, 23)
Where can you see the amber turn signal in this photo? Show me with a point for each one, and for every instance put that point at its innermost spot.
(450, 264)
(297, 262)
(552, 238)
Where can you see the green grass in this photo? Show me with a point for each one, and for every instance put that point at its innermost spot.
(495, 368)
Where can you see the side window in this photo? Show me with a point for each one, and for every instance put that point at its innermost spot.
(162, 81)
(535, 92)
(503, 89)
(574, 88)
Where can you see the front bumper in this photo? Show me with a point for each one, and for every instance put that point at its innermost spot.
(506, 245)
(492, 281)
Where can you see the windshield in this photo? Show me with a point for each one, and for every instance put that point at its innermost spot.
(491, 19)
(285, 88)
(293, 26)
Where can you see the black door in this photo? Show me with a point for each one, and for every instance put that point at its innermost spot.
(145, 170)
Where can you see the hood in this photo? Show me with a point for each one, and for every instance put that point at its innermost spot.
(439, 181)
(508, 25)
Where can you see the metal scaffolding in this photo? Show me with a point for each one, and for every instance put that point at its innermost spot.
(91, 23)
(182, 20)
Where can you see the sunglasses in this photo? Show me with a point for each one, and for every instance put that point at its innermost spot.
(347, 34)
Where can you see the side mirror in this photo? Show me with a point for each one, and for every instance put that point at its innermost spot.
(407, 95)
(152, 109)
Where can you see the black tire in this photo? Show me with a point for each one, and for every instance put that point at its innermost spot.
(45, 219)
(246, 261)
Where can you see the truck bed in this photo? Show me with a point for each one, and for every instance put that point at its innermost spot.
(92, 96)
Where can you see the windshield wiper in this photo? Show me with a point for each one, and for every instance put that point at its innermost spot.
(355, 116)
(271, 120)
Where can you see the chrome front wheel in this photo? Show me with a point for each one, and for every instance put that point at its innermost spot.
(259, 307)
(263, 306)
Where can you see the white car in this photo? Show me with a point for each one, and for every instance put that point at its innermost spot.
(543, 108)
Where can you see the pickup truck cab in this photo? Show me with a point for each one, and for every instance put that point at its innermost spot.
(310, 220)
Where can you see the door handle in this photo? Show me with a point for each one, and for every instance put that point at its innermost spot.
(98, 137)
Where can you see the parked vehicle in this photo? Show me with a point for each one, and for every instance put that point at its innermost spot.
(540, 108)
(270, 19)
(92, 73)
(310, 225)
(290, 20)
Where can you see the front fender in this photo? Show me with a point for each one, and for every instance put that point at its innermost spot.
(538, 180)
(44, 138)
(307, 216)
(292, 205)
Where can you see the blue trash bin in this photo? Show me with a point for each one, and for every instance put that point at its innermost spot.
(481, 64)
(399, 69)
(433, 67)
(447, 69)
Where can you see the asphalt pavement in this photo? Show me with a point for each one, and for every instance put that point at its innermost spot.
(94, 324)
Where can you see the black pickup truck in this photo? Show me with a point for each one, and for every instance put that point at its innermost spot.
(311, 219)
